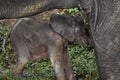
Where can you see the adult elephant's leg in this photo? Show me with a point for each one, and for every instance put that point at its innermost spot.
(108, 53)
(106, 35)
(24, 8)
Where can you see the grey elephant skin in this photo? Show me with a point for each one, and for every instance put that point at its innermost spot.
(32, 40)
(24, 8)
(104, 21)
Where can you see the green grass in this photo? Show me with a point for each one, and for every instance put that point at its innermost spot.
(83, 64)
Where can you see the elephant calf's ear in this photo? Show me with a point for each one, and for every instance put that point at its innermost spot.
(63, 25)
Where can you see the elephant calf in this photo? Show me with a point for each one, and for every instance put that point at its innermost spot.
(32, 40)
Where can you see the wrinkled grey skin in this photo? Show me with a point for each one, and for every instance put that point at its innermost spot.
(25, 8)
(32, 40)
(105, 23)
(104, 20)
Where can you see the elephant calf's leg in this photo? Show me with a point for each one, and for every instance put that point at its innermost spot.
(18, 69)
(67, 65)
(56, 57)
(23, 57)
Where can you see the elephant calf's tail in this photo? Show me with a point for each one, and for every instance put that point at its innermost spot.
(4, 41)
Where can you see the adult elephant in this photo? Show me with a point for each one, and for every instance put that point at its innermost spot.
(104, 20)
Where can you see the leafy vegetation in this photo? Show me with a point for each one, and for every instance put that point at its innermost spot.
(84, 62)
(82, 58)
(74, 11)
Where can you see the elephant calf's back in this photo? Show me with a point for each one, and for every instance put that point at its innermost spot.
(34, 37)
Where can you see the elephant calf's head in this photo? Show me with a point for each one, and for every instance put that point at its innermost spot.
(82, 34)
(71, 29)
